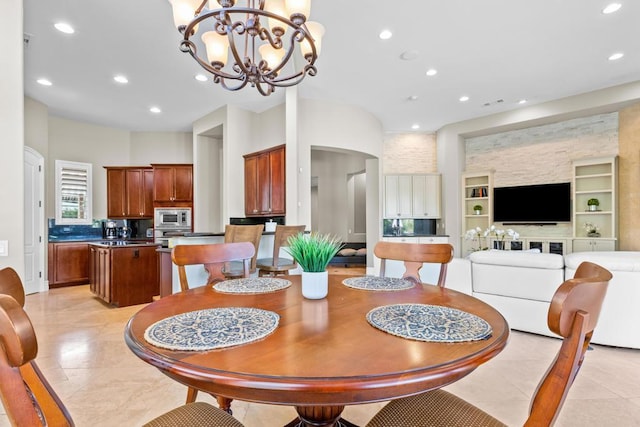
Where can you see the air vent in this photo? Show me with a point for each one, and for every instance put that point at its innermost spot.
(497, 101)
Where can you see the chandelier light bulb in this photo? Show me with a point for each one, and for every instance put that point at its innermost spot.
(217, 47)
(183, 11)
(271, 55)
(298, 7)
(316, 31)
(276, 7)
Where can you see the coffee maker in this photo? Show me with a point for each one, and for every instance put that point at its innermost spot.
(109, 230)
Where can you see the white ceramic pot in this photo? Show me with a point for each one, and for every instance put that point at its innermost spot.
(315, 285)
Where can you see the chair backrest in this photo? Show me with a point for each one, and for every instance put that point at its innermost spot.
(27, 397)
(10, 284)
(245, 233)
(282, 234)
(414, 255)
(213, 256)
(573, 315)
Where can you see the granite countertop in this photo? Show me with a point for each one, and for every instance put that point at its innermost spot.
(216, 234)
(123, 243)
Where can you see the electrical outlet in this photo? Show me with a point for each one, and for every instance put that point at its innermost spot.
(4, 248)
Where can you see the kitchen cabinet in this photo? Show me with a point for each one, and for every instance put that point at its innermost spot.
(412, 196)
(129, 192)
(426, 196)
(398, 196)
(595, 244)
(124, 275)
(68, 264)
(173, 185)
(264, 181)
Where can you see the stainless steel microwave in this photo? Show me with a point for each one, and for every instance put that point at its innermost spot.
(172, 218)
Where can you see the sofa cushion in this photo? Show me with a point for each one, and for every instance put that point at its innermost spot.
(613, 261)
(518, 259)
(347, 252)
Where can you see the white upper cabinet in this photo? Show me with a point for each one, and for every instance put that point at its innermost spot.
(412, 196)
(426, 196)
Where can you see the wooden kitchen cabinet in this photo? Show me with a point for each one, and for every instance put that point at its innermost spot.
(264, 180)
(68, 264)
(173, 185)
(129, 192)
(124, 275)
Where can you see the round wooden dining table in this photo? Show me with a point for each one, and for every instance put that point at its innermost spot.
(324, 354)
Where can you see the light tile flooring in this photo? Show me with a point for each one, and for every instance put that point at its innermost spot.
(83, 354)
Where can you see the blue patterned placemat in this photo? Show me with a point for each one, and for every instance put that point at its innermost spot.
(212, 328)
(252, 285)
(431, 323)
(375, 283)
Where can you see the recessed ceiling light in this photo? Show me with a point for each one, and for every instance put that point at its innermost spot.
(64, 28)
(413, 98)
(201, 77)
(464, 98)
(121, 79)
(155, 110)
(432, 72)
(415, 127)
(616, 56)
(385, 34)
(44, 82)
(612, 7)
(522, 101)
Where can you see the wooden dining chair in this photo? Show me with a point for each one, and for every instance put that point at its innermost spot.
(573, 315)
(213, 257)
(414, 256)
(275, 265)
(29, 399)
(242, 233)
(11, 284)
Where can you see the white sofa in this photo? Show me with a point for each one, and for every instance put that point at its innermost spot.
(521, 284)
(518, 284)
(619, 323)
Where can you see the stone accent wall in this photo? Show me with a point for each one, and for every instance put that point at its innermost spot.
(412, 153)
(629, 179)
(542, 155)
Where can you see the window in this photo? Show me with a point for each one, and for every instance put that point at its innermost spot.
(73, 193)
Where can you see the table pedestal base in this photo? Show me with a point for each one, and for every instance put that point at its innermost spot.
(320, 416)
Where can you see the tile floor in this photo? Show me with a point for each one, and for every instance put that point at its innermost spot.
(83, 354)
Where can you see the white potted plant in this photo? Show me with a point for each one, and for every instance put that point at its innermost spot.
(313, 252)
(477, 209)
(593, 204)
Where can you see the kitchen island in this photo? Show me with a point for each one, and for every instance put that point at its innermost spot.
(122, 272)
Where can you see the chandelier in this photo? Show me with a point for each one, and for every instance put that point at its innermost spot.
(263, 36)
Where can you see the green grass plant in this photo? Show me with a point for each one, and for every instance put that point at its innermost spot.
(313, 251)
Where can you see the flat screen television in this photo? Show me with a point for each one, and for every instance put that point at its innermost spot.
(534, 204)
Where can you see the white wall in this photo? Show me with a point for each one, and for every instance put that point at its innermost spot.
(160, 147)
(12, 134)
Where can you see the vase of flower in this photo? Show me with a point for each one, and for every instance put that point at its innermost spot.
(498, 244)
(313, 252)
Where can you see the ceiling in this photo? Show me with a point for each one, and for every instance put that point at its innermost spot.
(496, 52)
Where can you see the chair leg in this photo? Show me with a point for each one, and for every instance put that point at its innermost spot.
(192, 393)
